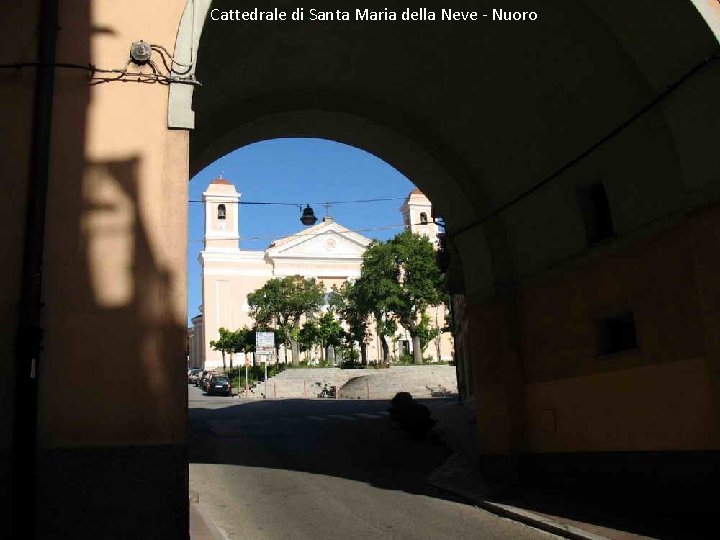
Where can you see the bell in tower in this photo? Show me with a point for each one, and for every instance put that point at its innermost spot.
(221, 216)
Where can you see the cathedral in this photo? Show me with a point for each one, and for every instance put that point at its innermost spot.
(327, 252)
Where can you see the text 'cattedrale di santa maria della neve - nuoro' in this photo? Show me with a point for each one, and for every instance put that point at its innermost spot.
(371, 15)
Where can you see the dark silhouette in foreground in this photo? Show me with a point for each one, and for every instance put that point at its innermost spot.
(412, 417)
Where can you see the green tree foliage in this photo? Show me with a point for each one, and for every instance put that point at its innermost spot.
(282, 302)
(420, 281)
(378, 290)
(225, 344)
(323, 331)
(399, 280)
(346, 303)
(233, 342)
(425, 332)
(308, 336)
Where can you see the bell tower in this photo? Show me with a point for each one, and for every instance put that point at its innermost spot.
(417, 215)
(222, 232)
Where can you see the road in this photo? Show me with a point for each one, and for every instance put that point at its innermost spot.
(323, 469)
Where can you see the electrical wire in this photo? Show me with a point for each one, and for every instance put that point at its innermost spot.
(303, 234)
(173, 75)
(358, 201)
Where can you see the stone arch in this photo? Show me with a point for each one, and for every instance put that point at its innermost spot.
(479, 123)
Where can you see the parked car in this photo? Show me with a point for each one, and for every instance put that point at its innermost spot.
(218, 384)
(201, 376)
(193, 375)
(206, 380)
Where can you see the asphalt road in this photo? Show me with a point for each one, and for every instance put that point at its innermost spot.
(323, 469)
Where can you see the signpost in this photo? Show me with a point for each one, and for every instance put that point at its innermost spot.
(264, 347)
(247, 363)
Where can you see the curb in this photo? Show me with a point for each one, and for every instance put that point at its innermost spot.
(201, 527)
(511, 512)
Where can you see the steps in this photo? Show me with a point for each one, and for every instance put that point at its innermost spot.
(421, 381)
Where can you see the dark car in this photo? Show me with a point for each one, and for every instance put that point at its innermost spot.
(218, 384)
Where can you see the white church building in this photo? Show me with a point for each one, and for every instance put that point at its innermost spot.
(328, 252)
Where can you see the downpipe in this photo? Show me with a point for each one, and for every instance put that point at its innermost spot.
(28, 337)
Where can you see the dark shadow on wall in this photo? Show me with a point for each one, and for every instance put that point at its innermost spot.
(111, 373)
(123, 380)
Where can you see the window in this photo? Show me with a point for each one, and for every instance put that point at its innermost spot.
(423, 218)
(221, 211)
(616, 334)
(596, 214)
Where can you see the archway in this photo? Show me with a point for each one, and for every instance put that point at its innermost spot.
(523, 132)
(520, 164)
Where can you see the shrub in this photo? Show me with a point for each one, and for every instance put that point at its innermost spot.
(406, 360)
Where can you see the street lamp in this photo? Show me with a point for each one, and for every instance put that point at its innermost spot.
(308, 216)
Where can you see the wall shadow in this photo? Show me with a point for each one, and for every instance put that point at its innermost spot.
(114, 388)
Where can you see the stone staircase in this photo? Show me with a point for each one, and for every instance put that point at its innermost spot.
(421, 381)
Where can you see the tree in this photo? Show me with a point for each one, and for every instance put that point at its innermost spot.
(420, 282)
(283, 302)
(345, 302)
(378, 290)
(329, 332)
(308, 335)
(224, 343)
(425, 332)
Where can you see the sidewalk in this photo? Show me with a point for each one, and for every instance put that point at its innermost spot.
(458, 476)
(201, 528)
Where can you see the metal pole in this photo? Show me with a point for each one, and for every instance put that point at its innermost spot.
(246, 379)
(266, 363)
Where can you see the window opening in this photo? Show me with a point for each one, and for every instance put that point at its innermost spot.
(596, 214)
(616, 334)
(221, 211)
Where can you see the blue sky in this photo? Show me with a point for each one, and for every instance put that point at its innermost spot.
(297, 171)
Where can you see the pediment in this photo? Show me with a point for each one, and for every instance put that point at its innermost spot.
(327, 240)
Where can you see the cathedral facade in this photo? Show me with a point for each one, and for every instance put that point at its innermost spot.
(327, 252)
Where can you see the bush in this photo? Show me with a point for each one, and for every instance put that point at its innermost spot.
(351, 364)
(406, 360)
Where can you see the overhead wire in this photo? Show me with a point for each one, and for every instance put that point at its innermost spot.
(281, 203)
(305, 234)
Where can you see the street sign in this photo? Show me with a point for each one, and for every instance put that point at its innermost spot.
(264, 341)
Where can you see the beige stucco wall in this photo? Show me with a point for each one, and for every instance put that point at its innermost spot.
(116, 233)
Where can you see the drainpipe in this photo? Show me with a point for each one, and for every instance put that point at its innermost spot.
(28, 338)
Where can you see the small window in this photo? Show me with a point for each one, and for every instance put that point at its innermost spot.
(423, 218)
(596, 214)
(221, 211)
(616, 334)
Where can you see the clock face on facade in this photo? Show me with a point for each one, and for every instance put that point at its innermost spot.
(330, 243)
(221, 226)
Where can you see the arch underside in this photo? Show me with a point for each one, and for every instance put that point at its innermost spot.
(504, 126)
(477, 115)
